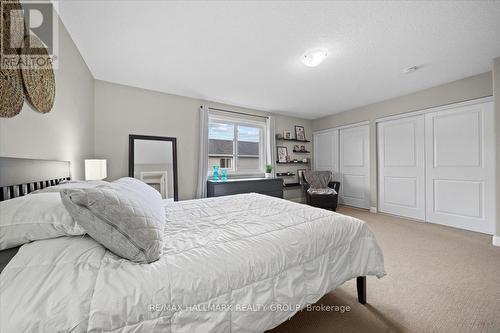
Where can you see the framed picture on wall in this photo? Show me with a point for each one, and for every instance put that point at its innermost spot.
(287, 135)
(282, 154)
(300, 133)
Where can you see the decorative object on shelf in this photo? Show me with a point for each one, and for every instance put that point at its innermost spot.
(269, 169)
(38, 76)
(287, 135)
(300, 175)
(11, 92)
(305, 160)
(223, 174)
(296, 147)
(215, 172)
(302, 148)
(279, 136)
(282, 154)
(300, 133)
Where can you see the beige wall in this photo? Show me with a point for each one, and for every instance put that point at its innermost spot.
(457, 91)
(122, 110)
(65, 133)
(496, 92)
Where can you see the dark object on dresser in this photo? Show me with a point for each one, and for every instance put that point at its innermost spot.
(326, 201)
(268, 186)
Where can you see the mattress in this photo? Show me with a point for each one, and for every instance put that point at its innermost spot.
(242, 263)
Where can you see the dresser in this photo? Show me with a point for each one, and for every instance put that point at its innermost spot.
(268, 186)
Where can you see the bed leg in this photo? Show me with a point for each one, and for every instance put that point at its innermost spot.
(361, 286)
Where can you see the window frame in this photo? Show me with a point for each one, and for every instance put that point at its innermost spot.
(236, 122)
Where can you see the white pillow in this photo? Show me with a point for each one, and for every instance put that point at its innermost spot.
(33, 217)
(126, 216)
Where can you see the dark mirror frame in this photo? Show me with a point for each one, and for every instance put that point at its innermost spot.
(131, 140)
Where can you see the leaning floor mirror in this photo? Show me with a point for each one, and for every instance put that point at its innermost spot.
(153, 160)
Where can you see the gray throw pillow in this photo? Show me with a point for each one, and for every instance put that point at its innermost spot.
(126, 216)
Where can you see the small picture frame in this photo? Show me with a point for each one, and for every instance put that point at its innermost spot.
(300, 177)
(302, 148)
(282, 154)
(287, 135)
(300, 133)
(296, 147)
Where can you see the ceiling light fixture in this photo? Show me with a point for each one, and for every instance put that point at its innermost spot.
(314, 58)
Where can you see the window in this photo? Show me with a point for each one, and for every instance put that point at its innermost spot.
(236, 144)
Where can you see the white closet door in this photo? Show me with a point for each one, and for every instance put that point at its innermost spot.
(326, 151)
(355, 166)
(459, 167)
(401, 167)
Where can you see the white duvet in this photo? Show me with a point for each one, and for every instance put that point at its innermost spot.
(242, 263)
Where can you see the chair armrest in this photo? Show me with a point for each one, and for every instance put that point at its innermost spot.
(335, 186)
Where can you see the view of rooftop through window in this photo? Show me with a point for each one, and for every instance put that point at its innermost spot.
(228, 141)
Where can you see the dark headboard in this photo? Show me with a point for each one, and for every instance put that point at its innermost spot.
(19, 176)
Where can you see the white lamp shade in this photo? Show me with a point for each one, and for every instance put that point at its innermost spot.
(95, 169)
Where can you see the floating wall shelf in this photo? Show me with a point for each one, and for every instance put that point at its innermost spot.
(291, 162)
(294, 140)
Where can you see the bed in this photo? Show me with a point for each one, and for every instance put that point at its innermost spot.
(242, 263)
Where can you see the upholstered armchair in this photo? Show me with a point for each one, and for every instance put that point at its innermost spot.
(319, 199)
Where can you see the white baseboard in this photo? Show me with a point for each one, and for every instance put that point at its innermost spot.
(496, 240)
(373, 209)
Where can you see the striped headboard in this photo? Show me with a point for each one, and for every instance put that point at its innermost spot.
(20, 176)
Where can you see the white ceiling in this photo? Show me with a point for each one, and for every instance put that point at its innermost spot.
(246, 53)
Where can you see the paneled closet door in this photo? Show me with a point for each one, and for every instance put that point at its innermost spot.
(355, 166)
(326, 151)
(459, 167)
(401, 167)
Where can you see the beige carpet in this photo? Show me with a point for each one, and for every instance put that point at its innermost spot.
(439, 279)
